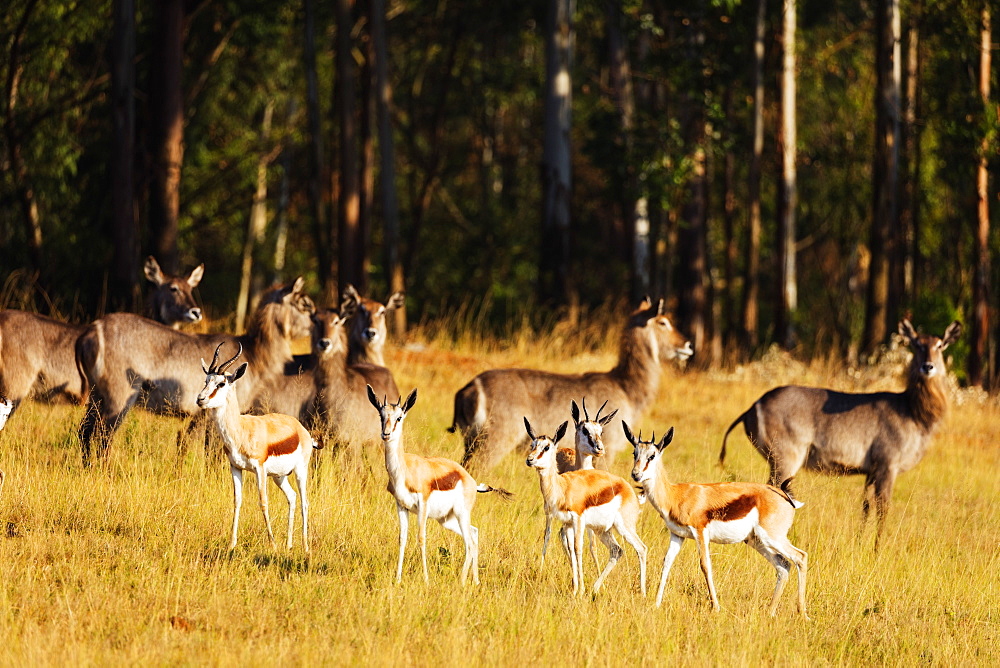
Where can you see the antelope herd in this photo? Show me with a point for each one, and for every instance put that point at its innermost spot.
(295, 403)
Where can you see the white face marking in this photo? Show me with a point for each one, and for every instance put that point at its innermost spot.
(6, 406)
(644, 460)
(540, 453)
(214, 393)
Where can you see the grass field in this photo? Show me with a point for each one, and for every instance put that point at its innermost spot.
(127, 561)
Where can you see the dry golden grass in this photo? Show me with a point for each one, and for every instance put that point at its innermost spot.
(127, 561)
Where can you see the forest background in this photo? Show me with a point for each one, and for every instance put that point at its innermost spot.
(800, 172)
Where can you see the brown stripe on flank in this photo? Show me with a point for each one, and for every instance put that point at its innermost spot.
(601, 496)
(445, 482)
(283, 447)
(736, 509)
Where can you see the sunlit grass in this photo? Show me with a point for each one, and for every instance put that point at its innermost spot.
(127, 561)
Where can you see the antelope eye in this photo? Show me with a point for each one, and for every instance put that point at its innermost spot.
(545, 449)
(651, 457)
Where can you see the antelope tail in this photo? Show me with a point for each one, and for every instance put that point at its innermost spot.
(739, 420)
(504, 494)
(461, 418)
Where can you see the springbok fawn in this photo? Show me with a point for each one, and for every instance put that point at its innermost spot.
(879, 434)
(273, 445)
(589, 445)
(368, 325)
(432, 487)
(486, 409)
(586, 499)
(722, 512)
(37, 357)
(127, 357)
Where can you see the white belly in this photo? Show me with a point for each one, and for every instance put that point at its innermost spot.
(280, 465)
(733, 531)
(599, 518)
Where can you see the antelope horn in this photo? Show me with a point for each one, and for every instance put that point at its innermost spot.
(597, 418)
(215, 358)
(239, 352)
(586, 417)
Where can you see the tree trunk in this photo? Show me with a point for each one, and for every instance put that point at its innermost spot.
(366, 169)
(909, 206)
(553, 273)
(315, 177)
(751, 269)
(885, 212)
(349, 202)
(19, 168)
(125, 263)
(281, 212)
(166, 130)
(980, 287)
(257, 221)
(787, 288)
(387, 162)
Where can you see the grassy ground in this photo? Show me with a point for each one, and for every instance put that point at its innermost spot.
(127, 561)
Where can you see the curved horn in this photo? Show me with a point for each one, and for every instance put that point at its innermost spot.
(586, 417)
(597, 418)
(211, 367)
(225, 365)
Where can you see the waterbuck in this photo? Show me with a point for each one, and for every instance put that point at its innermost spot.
(878, 434)
(330, 396)
(490, 408)
(36, 353)
(368, 325)
(126, 357)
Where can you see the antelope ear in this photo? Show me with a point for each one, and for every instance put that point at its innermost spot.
(628, 433)
(560, 432)
(298, 285)
(575, 410)
(152, 271)
(607, 418)
(239, 373)
(951, 334)
(374, 399)
(350, 294)
(410, 400)
(906, 330)
(665, 441)
(531, 432)
(395, 301)
(194, 278)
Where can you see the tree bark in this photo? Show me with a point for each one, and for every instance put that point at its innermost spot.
(387, 162)
(980, 287)
(885, 212)
(125, 262)
(751, 269)
(349, 202)
(909, 206)
(788, 287)
(315, 177)
(556, 176)
(166, 130)
(366, 169)
(257, 220)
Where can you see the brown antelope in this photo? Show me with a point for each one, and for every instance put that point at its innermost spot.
(36, 353)
(879, 434)
(273, 445)
(368, 325)
(126, 357)
(589, 446)
(586, 499)
(722, 512)
(330, 396)
(486, 409)
(429, 487)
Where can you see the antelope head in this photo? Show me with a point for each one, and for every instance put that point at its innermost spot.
(173, 300)
(329, 332)
(645, 453)
(369, 323)
(542, 451)
(217, 381)
(590, 433)
(392, 415)
(668, 341)
(928, 350)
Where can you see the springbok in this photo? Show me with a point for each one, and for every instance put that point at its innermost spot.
(589, 446)
(722, 512)
(586, 499)
(273, 445)
(368, 325)
(878, 434)
(6, 406)
(486, 409)
(36, 353)
(126, 357)
(432, 487)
